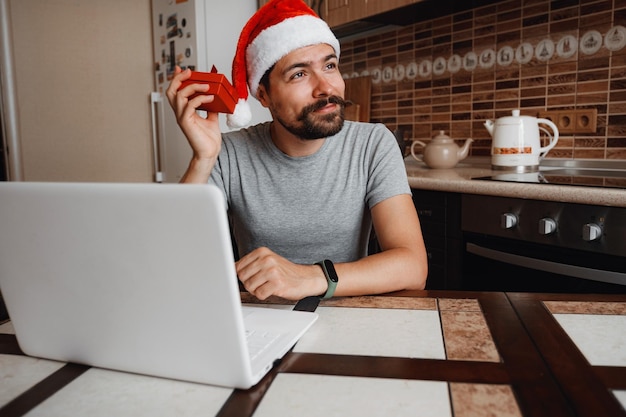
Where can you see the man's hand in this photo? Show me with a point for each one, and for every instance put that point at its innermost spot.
(264, 273)
(203, 134)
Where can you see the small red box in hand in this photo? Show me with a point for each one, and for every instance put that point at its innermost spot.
(219, 86)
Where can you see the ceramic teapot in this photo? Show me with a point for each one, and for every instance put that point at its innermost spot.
(442, 152)
(515, 142)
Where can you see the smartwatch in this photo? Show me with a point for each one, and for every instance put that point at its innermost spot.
(331, 277)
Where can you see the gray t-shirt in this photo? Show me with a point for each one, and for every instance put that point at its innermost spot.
(308, 208)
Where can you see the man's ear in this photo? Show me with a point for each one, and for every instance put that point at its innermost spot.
(262, 96)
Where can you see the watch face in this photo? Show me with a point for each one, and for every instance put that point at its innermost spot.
(330, 268)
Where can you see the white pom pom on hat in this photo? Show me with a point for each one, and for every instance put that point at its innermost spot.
(275, 30)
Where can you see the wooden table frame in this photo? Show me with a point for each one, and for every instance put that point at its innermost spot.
(547, 373)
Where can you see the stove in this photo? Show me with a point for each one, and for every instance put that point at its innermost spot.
(516, 244)
(587, 173)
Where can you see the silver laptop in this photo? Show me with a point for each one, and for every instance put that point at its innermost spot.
(134, 277)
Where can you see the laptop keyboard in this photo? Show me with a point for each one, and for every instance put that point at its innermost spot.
(259, 340)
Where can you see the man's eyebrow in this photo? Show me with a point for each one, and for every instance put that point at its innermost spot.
(308, 63)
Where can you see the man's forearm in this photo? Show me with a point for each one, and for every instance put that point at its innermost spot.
(198, 171)
(392, 270)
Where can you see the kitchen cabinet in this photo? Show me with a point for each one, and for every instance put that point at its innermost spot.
(358, 92)
(336, 12)
(380, 6)
(440, 217)
(339, 12)
(262, 2)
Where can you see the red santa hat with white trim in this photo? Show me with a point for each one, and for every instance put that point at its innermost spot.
(275, 30)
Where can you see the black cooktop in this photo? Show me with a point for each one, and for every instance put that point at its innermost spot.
(603, 178)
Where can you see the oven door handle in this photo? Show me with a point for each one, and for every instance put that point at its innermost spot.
(548, 266)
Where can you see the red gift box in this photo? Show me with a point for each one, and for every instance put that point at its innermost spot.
(219, 86)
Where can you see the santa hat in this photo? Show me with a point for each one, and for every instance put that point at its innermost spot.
(275, 30)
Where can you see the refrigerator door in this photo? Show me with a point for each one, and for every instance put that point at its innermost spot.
(176, 41)
(196, 34)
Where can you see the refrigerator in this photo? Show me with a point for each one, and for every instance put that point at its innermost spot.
(196, 34)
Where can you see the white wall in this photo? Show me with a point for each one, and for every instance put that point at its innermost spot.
(225, 23)
(83, 72)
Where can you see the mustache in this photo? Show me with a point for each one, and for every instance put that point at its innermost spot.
(324, 102)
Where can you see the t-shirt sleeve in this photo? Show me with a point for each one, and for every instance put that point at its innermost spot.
(387, 172)
(219, 174)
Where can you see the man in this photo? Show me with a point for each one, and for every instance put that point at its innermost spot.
(307, 186)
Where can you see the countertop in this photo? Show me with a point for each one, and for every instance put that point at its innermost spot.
(426, 353)
(460, 180)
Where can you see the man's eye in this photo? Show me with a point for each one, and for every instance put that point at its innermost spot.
(297, 75)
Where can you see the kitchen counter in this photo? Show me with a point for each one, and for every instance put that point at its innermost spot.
(427, 353)
(459, 180)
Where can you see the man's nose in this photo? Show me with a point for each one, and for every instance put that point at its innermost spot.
(323, 87)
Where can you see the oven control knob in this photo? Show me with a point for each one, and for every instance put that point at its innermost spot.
(547, 226)
(591, 231)
(508, 221)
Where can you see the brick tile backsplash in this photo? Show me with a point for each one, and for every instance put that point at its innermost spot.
(452, 73)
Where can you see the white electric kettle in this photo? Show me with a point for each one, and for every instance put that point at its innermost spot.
(515, 142)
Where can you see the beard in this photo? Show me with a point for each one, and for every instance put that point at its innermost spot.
(310, 126)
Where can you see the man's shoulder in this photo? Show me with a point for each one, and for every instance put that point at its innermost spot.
(365, 126)
(364, 133)
(247, 139)
(246, 133)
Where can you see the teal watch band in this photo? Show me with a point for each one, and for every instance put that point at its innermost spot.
(331, 278)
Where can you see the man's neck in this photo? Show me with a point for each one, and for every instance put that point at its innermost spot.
(292, 145)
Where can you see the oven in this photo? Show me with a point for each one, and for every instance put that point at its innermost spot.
(515, 244)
